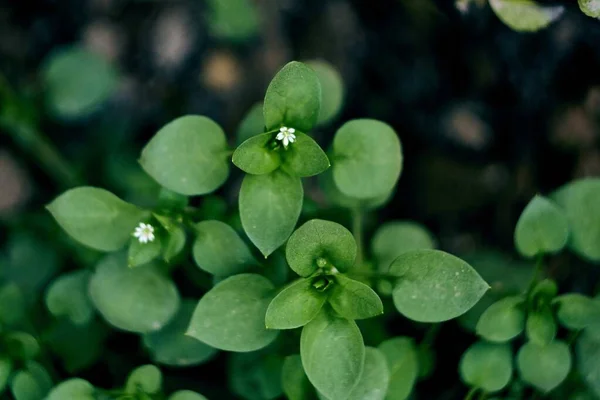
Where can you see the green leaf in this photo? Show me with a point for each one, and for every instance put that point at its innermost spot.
(579, 199)
(137, 300)
(96, 217)
(591, 8)
(269, 208)
(542, 228)
(146, 379)
(525, 15)
(588, 354)
(502, 321)
(186, 395)
(73, 389)
(354, 300)
(319, 239)
(367, 158)
(576, 311)
(333, 354)
(294, 381)
(170, 345)
(21, 345)
(336, 197)
(304, 157)
(233, 20)
(397, 237)
(373, 382)
(544, 367)
(402, 361)
(541, 327)
(170, 201)
(333, 90)
(231, 316)
(68, 296)
(174, 243)
(188, 156)
(6, 367)
(256, 376)
(12, 304)
(142, 253)
(293, 98)
(77, 81)
(219, 250)
(487, 366)
(295, 306)
(252, 124)
(25, 386)
(434, 286)
(258, 155)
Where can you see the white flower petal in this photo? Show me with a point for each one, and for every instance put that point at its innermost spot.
(291, 130)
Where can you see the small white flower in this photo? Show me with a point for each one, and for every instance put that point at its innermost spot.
(144, 232)
(286, 135)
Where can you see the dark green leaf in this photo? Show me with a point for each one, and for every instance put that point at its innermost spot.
(576, 311)
(231, 316)
(12, 304)
(188, 156)
(96, 217)
(269, 208)
(294, 381)
(434, 286)
(68, 296)
(6, 367)
(502, 321)
(487, 366)
(544, 367)
(256, 376)
(354, 300)
(541, 327)
(293, 98)
(588, 354)
(295, 305)
(402, 361)
(21, 345)
(319, 239)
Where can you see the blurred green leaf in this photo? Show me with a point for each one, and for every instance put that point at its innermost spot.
(402, 361)
(6, 367)
(591, 8)
(396, 237)
(295, 383)
(256, 376)
(544, 367)
(73, 389)
(252, 124)
(186, 395)
(233, 20)
(541, 327)
(21, 345)
(146, 379)
(68, 296)
(332, 90)
(487, 366)
(12, 304)
(588, 354)
(373, 382)
(502, 321)
(525, 15)
(576, 311)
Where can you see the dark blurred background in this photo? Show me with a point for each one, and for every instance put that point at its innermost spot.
(487, 116)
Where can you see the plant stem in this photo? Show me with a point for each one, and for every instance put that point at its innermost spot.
(471, 394)
(357, 231)
(536, 273)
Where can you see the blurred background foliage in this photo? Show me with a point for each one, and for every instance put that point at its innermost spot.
(488, 117)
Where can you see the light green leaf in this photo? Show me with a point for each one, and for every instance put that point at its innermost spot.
(233, 20)
(397, 237)
(373, 382)
(138, 300)
(170, 345)
(174, 244)
(231, 316)
(434, 286)
(576, 311)
(304, 157)
(502, 321)
(295, 306)
(544, 367)
(12, 304)
(96, 217)
(333, 354)
(77, 81)
(293, 98)
(142, 253)
(6, 367)
(186, 395)
(402, 361)
(68, 296)
(542, 228)
(256, 376)
(25, 386)
(294, 381)
(219, 250)
(332, 90)
(354, 300)
(73, 389)
(252, 124)
(525, 15)
(588, 354)
(269, 208)
(258, 155)
(591, 8)
(146, 379)
(541, 327)
(367, 158)
(487, 366)
(317, 240)
(579, 199)
(188, 156)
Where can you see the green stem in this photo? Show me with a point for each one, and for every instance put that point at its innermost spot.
(471, 394)
(357, 231)
(536, 273)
